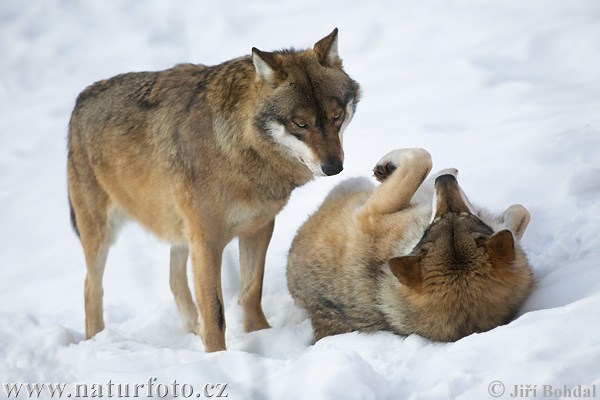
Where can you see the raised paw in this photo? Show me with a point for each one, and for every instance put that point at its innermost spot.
(392, 160)
(381, 172)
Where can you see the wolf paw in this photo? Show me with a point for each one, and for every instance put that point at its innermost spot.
(382, 172)
(391, 161)
(192, 328)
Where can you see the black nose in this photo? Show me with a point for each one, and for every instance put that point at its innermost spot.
(333, 166)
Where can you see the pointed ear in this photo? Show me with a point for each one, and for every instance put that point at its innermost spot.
(516, 218)
(327, 50)
(408, 271)
(501, 248)
(268, 67)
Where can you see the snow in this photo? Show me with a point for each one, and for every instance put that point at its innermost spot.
(508, 92)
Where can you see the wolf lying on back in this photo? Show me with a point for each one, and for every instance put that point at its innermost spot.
(409, 257)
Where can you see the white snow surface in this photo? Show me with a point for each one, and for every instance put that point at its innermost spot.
(506, 91)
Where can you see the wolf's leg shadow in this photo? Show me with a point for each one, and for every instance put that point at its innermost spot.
(407, 169)
(181, 290)
(253, 250)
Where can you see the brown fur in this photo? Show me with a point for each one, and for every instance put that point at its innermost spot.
(373, 259)
(191, 153)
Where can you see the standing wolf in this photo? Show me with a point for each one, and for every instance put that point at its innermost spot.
(409, 257)
(202, 154)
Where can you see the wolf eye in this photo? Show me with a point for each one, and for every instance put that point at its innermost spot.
(338, 115)
(300, 124)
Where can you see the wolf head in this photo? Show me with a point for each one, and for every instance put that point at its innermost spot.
(463, 277)
(307, 100)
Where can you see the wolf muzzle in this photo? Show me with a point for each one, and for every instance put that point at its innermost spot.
(449, 198)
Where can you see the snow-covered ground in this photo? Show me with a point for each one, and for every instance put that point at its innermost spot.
(506, 91)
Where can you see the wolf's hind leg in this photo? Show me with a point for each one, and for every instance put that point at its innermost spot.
(402, 172)
(181, 290)
(96, 252)
(96, 225)
(253, 250)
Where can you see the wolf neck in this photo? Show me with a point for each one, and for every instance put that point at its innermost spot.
(268, 171)
(248, 150)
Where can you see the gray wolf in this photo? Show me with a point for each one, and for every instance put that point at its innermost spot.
(200, 155)
(409, 257)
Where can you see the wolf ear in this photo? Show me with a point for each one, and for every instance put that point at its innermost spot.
(501, 248)
(516, 218)
(268, 67)
(408, 271)
(327, 50)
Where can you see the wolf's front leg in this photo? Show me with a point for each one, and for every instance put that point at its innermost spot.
(253, 250)
(402, 172)
(206, 266)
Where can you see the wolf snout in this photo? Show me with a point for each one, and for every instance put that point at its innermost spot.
(449, 196)
(446, 179)
(332, 166)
